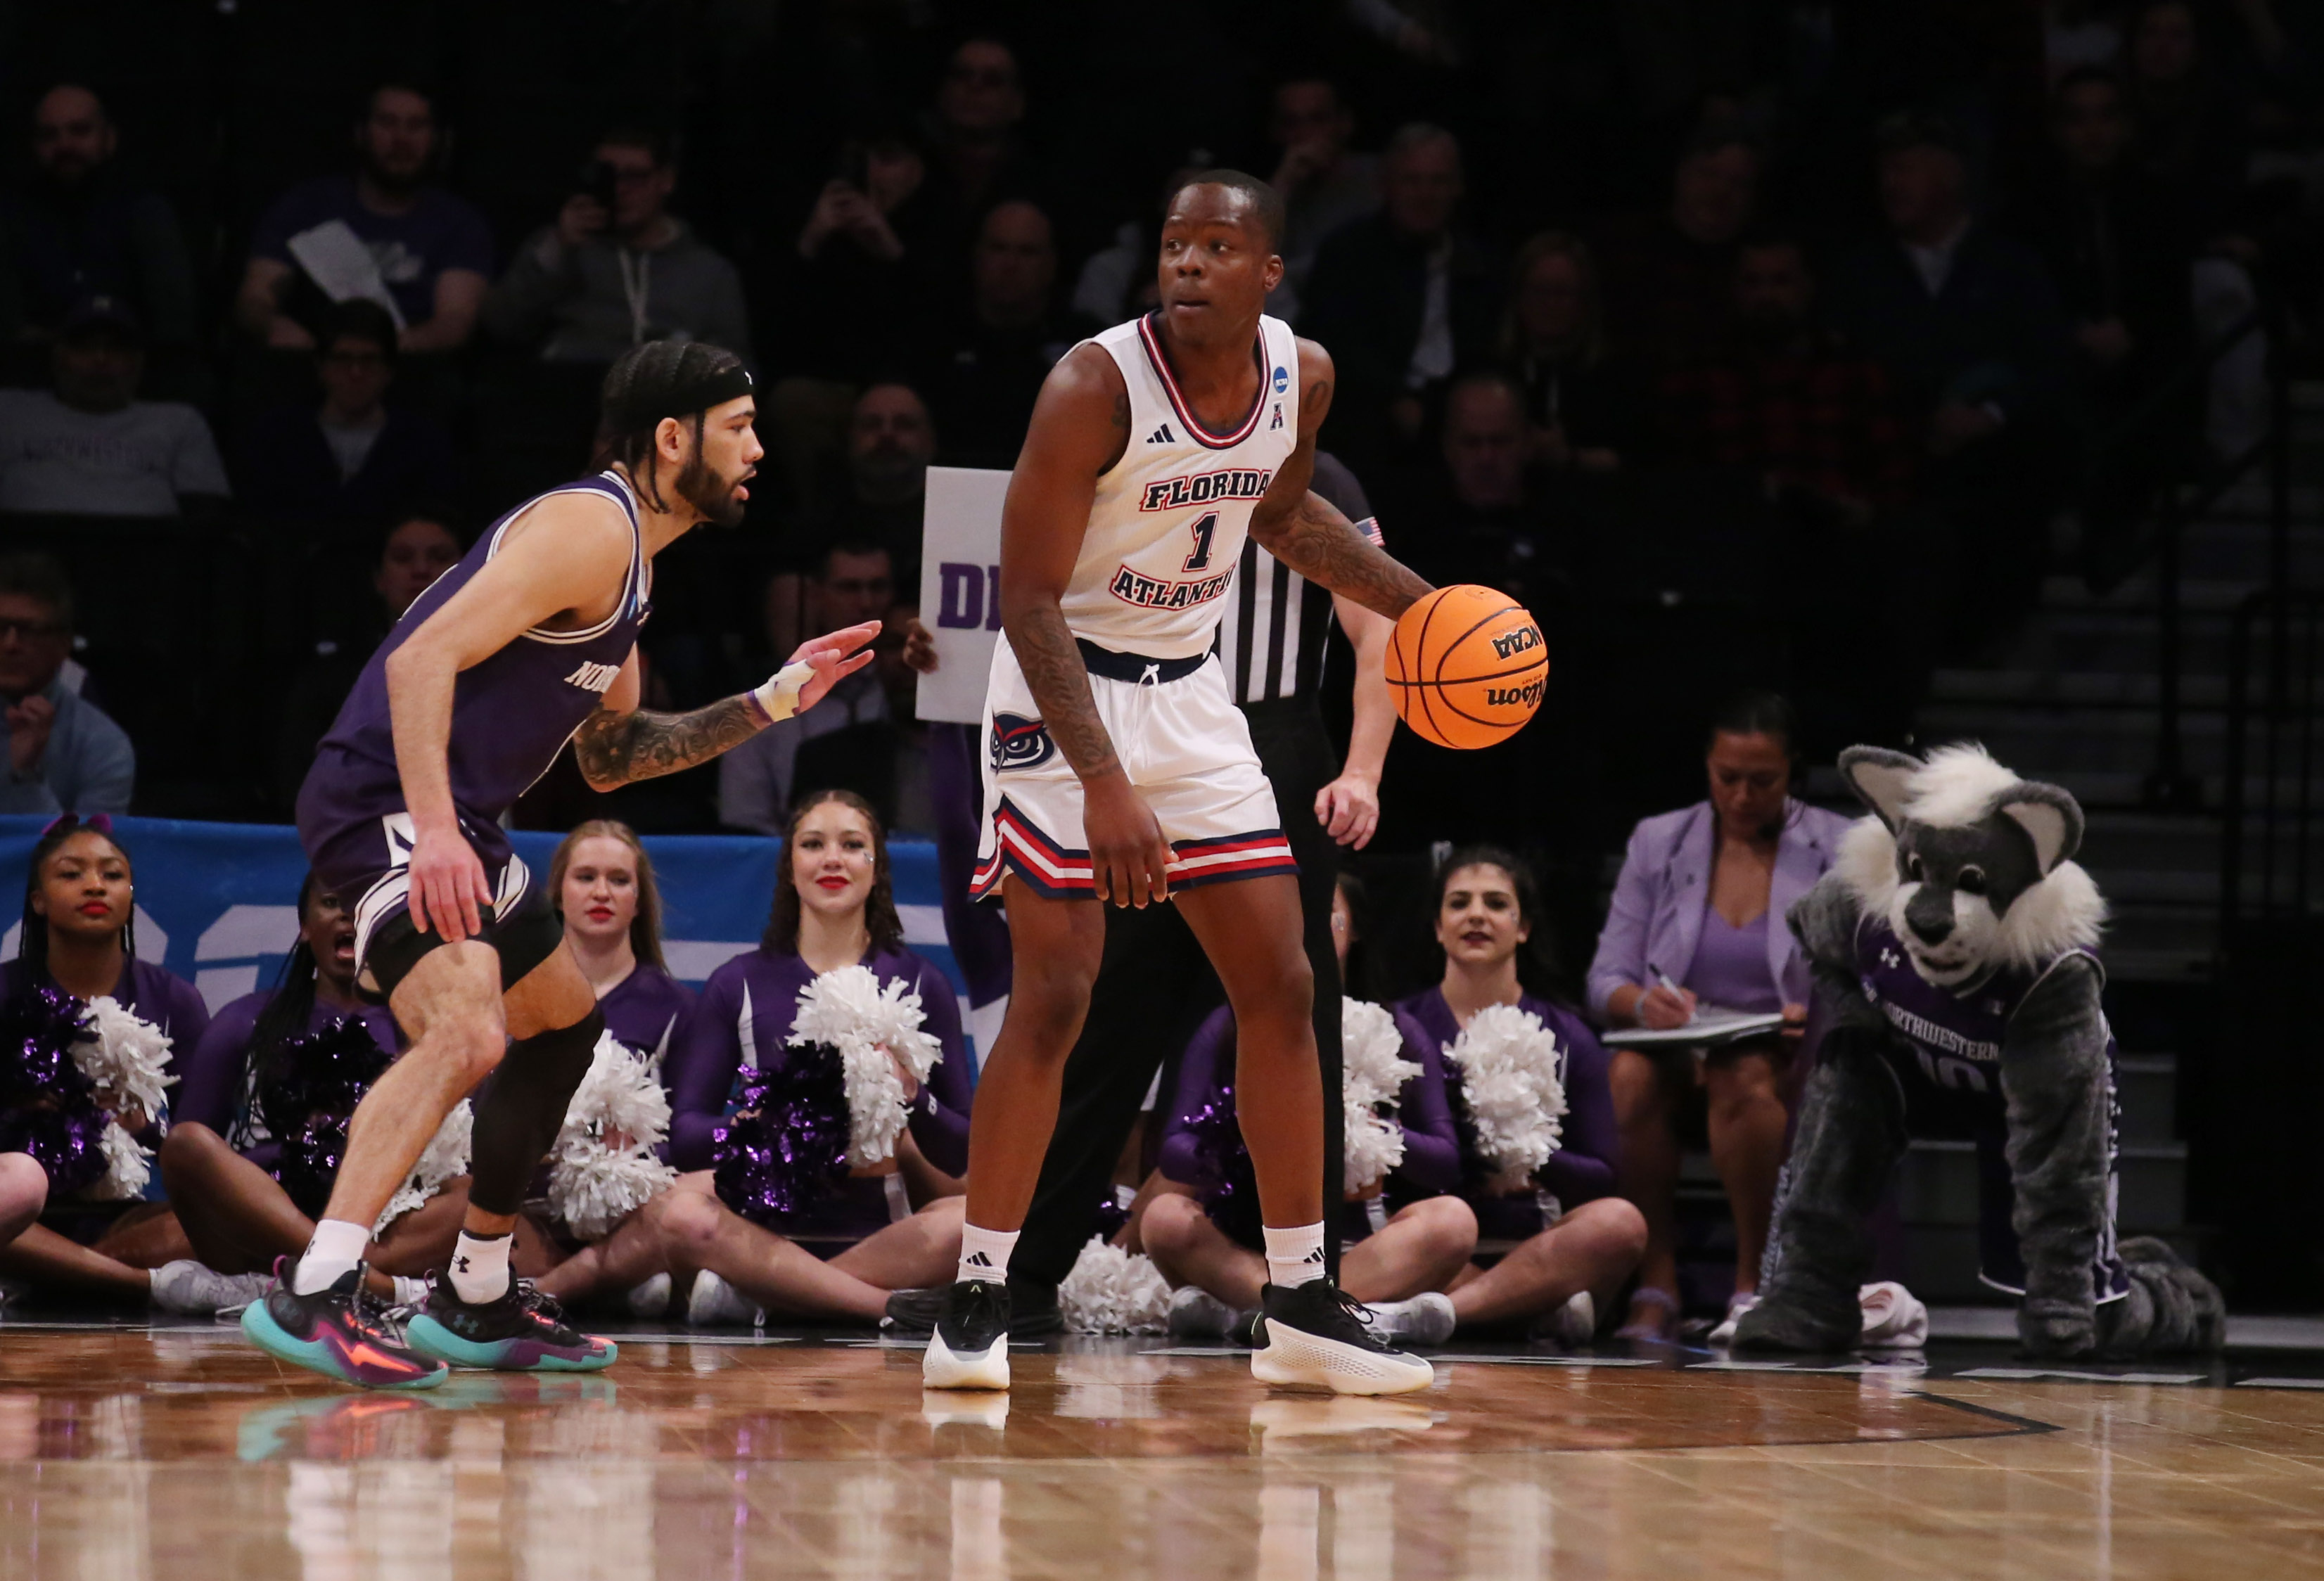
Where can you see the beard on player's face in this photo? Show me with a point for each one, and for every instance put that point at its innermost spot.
(711, 491)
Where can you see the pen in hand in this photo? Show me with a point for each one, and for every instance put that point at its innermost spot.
(1663, 978)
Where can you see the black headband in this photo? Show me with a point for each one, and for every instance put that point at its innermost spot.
(639, 408)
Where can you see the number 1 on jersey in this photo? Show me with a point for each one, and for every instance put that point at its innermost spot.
(1200, 560)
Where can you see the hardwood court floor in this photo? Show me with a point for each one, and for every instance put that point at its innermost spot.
(181, 1453)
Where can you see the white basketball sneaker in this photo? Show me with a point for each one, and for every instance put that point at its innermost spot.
(1316, 1335)
(970, 1349)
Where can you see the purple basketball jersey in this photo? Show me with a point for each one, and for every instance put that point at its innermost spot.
(511, 715)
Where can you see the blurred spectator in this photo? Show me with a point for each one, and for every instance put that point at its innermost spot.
(64, 755)
(412, 554)
(2189, 135)
(1812, 421)
(1700, 902)
(1968, 323)
(976, 155)
(983, 372)
(1581, 411)
(1323, 184)
(90, 448)
(1402, 299)
(603, 280)
(355, 459)
(854, 286)
(2079, 35)
(385, 233)
(1669, 277)
(78, 228)
(1475, 519)
(853, 581)
(889, 444)
(1123, 280)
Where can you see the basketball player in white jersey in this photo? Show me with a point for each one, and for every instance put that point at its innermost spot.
(1118, 768)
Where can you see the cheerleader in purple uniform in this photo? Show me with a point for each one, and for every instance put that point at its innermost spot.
(602, 883)
(241, 1206)
(886, 1228)
(80, 903)
(1570, 1243)
(1400, 1255)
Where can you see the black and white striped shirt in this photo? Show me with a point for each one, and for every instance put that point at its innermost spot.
(1271, 638)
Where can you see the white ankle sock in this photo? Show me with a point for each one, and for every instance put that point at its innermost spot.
(335, 1249)
(985, 1253)
(480, 1268)
(409, 1291)
(1295, 1255)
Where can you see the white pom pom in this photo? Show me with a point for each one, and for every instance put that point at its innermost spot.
(127, 1057)
(851, 1010)
(445, 1158)
(1113, 1292)
(1373, 1070)
(126, 1169)
(594, 1186)
(1514, 1075)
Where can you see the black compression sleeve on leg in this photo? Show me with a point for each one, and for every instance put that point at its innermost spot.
(520, 1113)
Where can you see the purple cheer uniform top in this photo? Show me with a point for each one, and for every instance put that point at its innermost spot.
(219, 1085)
(1946, 1059)
(1580, 1171)
(645, 1011)
(1208, 1065)
(745, 1015)
(511, 715)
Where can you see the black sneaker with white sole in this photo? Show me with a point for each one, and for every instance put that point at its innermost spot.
(970, 1347)
(1033, 1312)
(1316, 1336)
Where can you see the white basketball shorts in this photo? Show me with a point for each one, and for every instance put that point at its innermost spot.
(1186, 747)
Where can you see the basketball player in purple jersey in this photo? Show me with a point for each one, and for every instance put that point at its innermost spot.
(529, 642)
(1119, 770)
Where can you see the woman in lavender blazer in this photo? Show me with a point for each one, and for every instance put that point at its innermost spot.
(1701, 902)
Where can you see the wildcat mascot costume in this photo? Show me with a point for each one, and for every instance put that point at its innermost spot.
(1953, 950)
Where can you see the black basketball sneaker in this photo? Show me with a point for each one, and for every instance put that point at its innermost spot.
(519, 1331)
(342, 1332)
(970, 1349)
(1033, 1312)
(1316, 1335)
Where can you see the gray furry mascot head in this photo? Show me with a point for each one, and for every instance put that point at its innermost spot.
(1954, 952)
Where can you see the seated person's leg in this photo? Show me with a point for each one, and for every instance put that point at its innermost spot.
(238, 1217)
(912, 1253)
(626, 1258)
(1594, 1247)
(1189, 1249)
(1647, 1175)
(61, 1268)
(146, 1237)
(1747, 1122)
(24, 1192)
(698, 1232)
(1422, 1248)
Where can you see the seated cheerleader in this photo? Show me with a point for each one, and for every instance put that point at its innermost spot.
(602, 883)
(261, 1117)
(883, 1227)
(1199, 1221)
(1571, 1244)
(96, 1236)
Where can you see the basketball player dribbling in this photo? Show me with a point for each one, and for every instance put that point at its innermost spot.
(1118, 768)
(529, 642)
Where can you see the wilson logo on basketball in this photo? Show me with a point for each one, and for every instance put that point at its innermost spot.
(1019, 742)
(1518, 642)
(1205, 489)
(1528, 695)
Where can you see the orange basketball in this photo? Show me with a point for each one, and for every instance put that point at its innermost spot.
(1466, 666)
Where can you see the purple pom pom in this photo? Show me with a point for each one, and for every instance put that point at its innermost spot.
(48, 1109)
(783, 1149)
(1231, 1197)
(307, 1098)
(1110, 1217)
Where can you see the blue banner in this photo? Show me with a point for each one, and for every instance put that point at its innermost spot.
(217, 903)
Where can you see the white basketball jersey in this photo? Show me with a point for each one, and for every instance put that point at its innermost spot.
(1166, 527)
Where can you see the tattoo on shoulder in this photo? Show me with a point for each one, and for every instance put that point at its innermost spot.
(615, 749)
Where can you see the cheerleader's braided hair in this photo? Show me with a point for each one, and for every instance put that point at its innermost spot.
(33, 944)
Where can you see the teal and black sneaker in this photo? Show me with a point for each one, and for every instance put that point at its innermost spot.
(522, 1331)
(343, 1332)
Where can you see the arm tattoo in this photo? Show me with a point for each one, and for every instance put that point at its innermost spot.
(1325, 547)
(614, 749)
(1058, 679)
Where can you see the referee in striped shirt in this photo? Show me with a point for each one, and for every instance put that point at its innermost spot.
(1155, 987)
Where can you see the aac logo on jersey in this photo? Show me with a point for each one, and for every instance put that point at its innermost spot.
(1019, 742)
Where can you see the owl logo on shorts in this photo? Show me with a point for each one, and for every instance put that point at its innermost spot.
(1019, 742)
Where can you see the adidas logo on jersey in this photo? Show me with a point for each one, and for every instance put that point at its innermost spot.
(1162, 436)
(1205, 489)
(590, 677)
